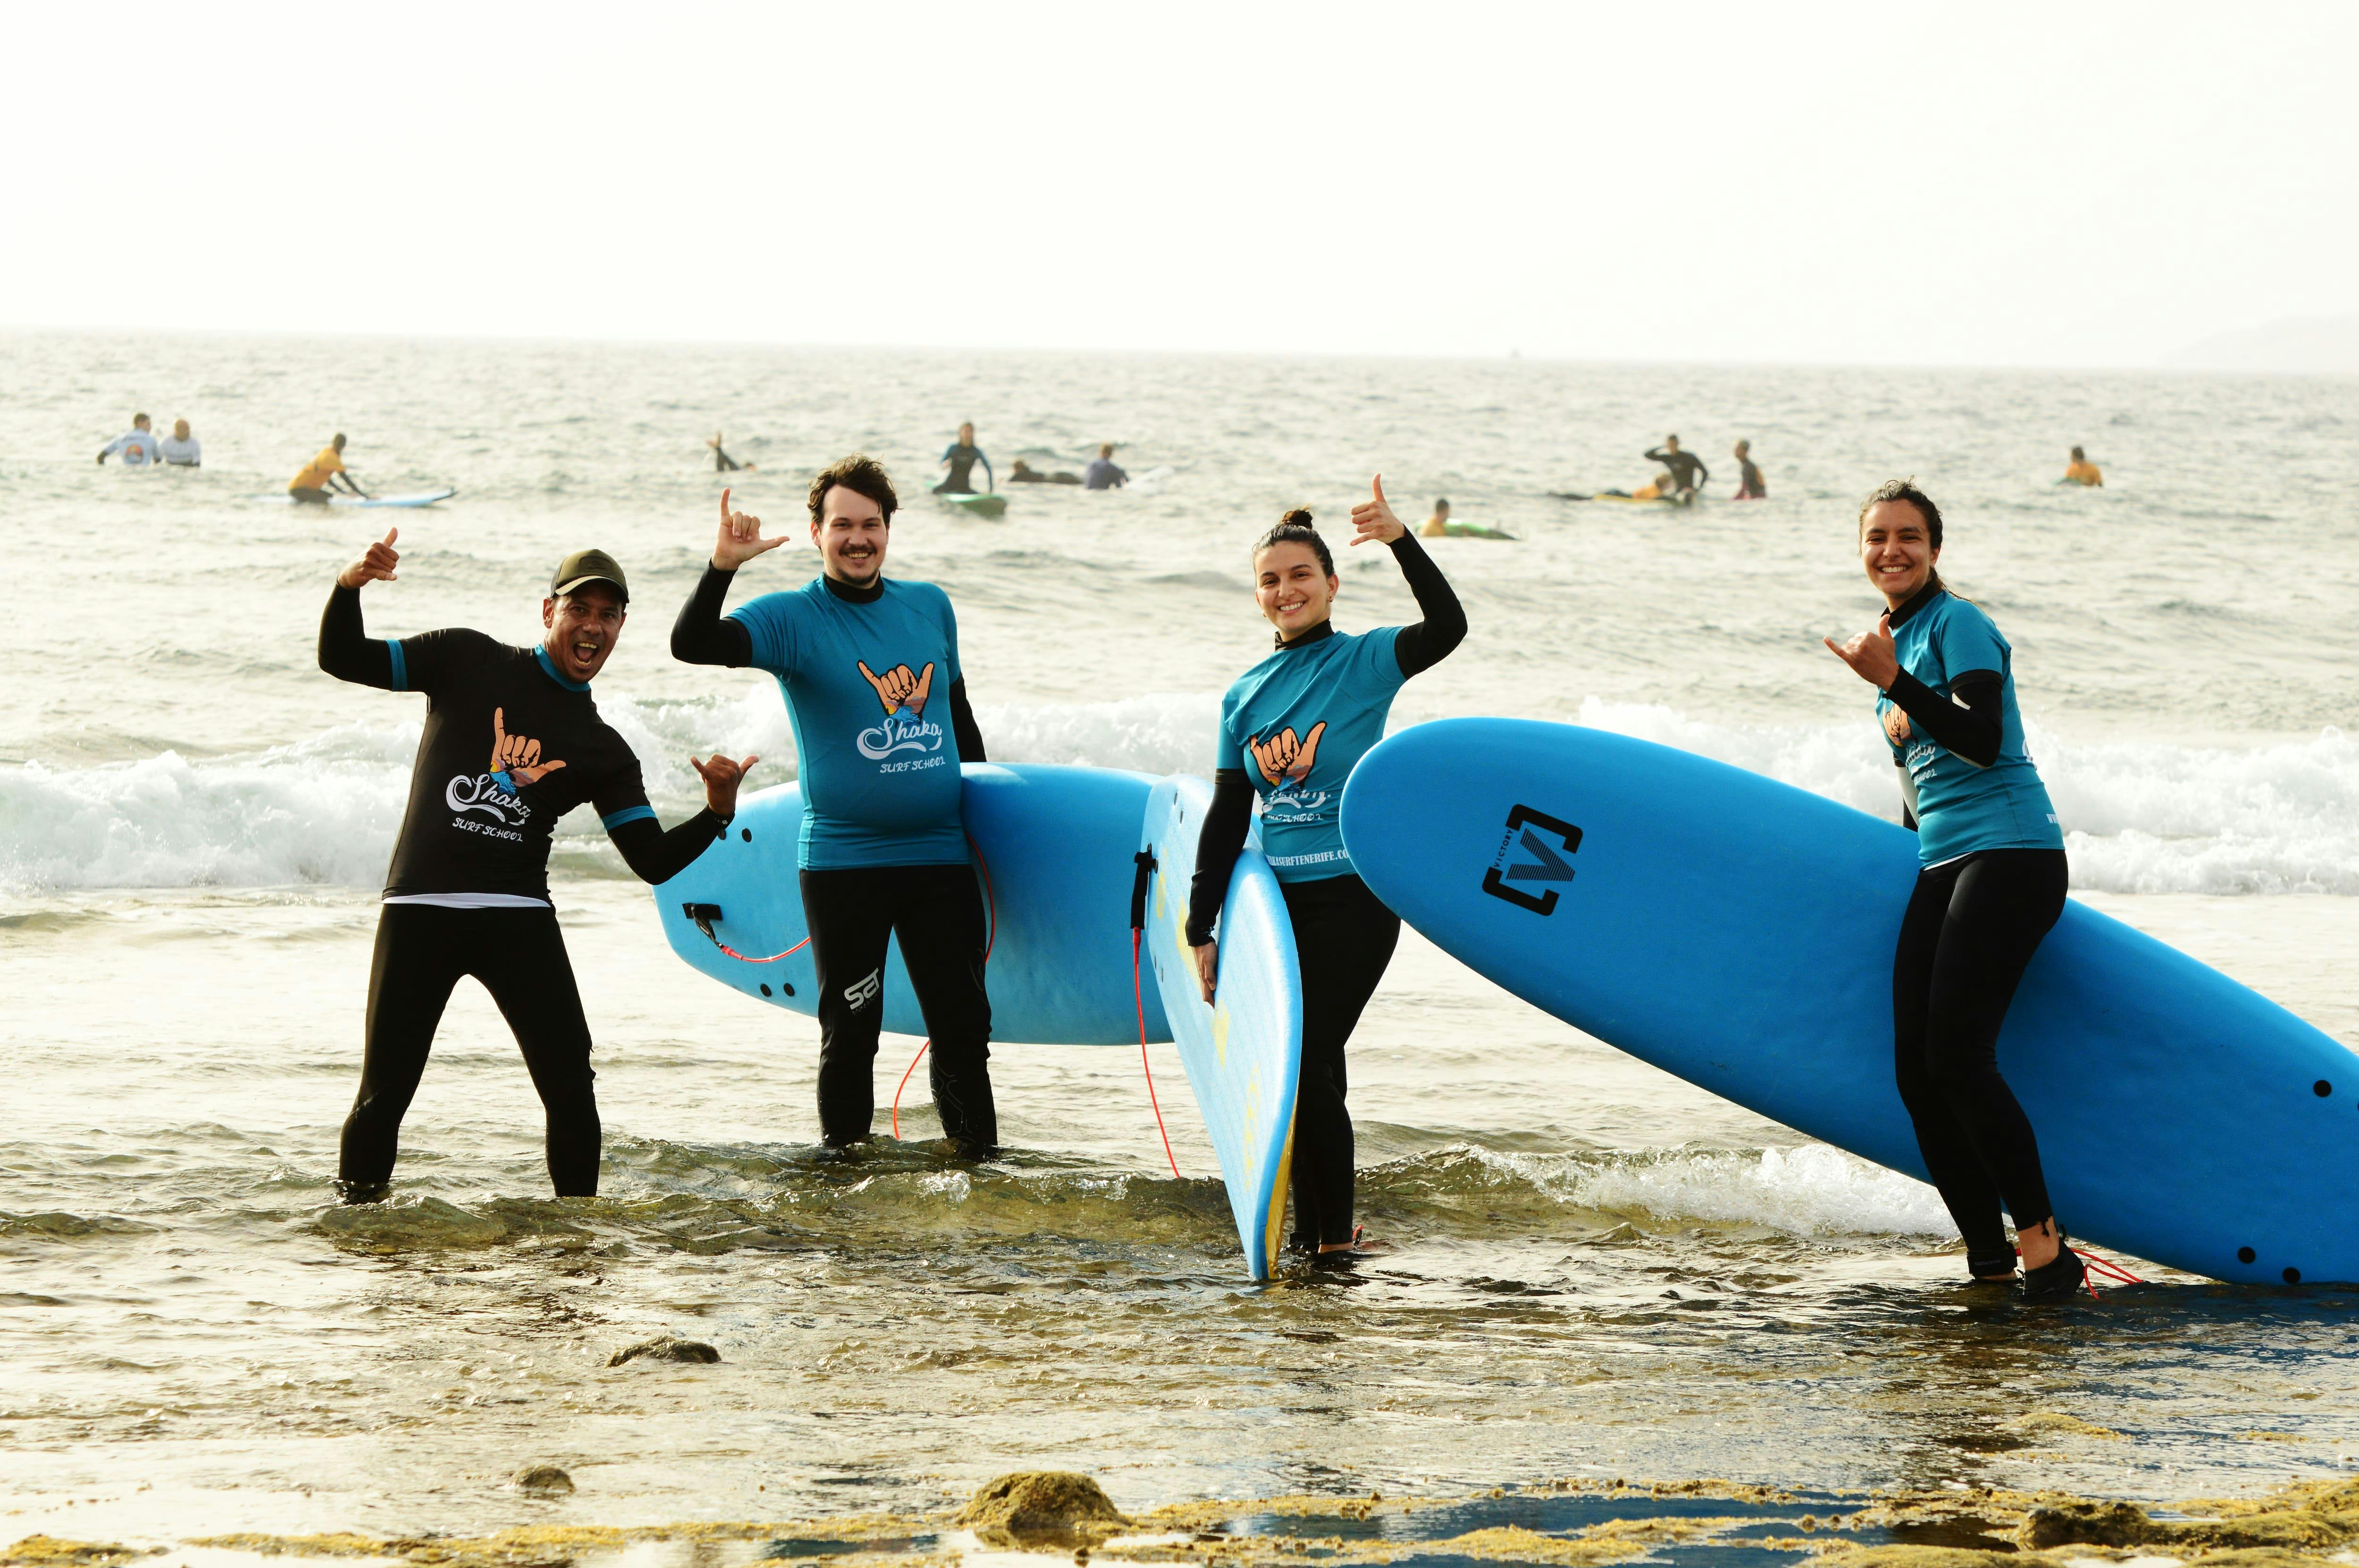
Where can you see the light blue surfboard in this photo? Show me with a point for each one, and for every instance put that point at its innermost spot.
(1054, 852)
(1738, 932)
(1243, 1051)
(422, 498)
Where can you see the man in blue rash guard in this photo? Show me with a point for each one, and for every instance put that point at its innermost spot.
(512, 741)
(959, 457)
(870, 670)
(1292, 728)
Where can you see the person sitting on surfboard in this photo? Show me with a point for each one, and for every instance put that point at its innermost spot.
(2081, 470)
(870, 671)
(1291, 730)
(1992, 883)
(959, 457)
(1103, 473)
(512, 742)
(1750, 486)
(1687, 469)
(318, 480)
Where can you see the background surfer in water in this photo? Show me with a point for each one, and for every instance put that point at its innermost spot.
(1992, 884)
(959, 457)
(1750, 486)
(1292, 727)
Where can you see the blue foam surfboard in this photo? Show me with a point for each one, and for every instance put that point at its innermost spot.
(1739, 932)
(423, 498)
(1054, 848)
(1242, 1053)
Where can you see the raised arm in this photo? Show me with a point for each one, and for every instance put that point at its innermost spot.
(700, 636)
(1421, 647)
(656, 855)
(347, 650)
(1426, 644)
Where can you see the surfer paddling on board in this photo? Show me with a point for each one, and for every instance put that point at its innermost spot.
(512, 742)
(1292, 727)
(870, 670)
(1992, 883)
(319, 476)
(959, 457)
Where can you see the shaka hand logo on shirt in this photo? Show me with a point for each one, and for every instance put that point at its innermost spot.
(906, 727)
(515, 755)
(897, 688)
(1284, 757)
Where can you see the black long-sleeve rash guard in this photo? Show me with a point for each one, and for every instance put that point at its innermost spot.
(1966, 724)
(1686, 468)
(466, 831)
(1417, 648)
(702, 635)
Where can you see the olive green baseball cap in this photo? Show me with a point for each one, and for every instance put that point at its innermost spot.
(587, 565)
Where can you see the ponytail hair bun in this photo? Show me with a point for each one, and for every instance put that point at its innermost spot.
(1295, 528)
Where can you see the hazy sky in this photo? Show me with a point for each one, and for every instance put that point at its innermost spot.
(1988, 184)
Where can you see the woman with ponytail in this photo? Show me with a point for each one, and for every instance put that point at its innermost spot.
(1292, 727)
(1990, 884)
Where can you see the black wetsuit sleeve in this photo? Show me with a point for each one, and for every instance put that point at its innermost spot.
(1221, 840)
(1970, 732)
(963, 728)
(346, 651)
(702, 635)
(1421, 647)
(656, 855)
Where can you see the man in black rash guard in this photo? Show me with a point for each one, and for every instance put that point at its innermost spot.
(512, 742)
(868, 665)
(1305, 716)
(1687, 469)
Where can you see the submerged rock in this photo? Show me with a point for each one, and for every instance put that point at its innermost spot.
(1042, 1507)
(546, 1479)
(2086, 1524)
(667, 1348)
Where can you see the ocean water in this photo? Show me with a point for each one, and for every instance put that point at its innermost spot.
(1595, 1268)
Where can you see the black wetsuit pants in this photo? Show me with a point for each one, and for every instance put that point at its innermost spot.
(519, 955)
(1971, 930)
(1344, 937)
(937, 911)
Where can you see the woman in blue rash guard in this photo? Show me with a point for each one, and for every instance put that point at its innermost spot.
(1292, 727)
(1991, 883)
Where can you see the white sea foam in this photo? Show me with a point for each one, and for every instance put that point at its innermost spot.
(1810, 1190)
(2139, 817)
(2142, 817)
